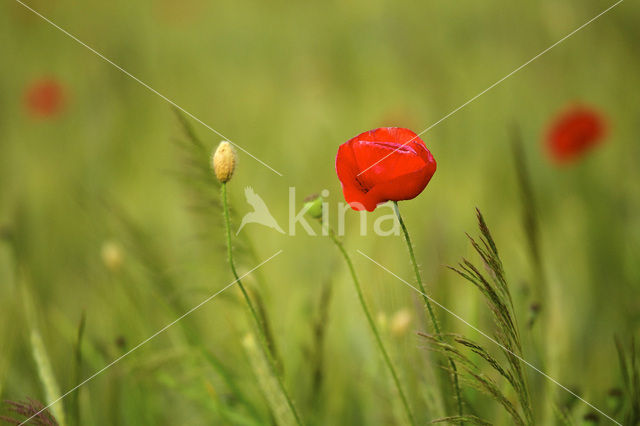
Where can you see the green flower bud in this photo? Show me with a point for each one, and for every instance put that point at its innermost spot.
(313, 204)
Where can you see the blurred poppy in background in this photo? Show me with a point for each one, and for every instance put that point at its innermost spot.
(44, 98)
(385, 164)
(573, 133)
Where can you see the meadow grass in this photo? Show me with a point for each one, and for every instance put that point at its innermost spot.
(290, 82)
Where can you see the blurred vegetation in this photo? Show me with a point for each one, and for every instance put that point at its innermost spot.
(111, 227)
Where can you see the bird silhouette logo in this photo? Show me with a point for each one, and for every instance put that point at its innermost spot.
(260, 213)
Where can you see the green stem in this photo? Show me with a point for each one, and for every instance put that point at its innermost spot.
(77, 371)
(372, 324)
(427, 302)
(254, 314)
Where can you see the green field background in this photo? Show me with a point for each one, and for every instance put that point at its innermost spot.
(289, 82)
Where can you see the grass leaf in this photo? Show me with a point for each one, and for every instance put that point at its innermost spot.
(268, 383)
(74, 398)
(47, 378)
(458, 420)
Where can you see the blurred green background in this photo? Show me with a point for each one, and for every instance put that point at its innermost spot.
(289, 82)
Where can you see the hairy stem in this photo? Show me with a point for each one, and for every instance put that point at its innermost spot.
(254, 314)
(372, 324)
(427, 302)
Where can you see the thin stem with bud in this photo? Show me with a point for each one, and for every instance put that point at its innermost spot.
(258, 324)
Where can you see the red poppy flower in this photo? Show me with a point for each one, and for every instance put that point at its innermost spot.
(575, 132)
(385, 164)
(44, 98)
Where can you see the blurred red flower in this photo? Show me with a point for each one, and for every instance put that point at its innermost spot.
(44, 98)
(574, 132)
(385, 164)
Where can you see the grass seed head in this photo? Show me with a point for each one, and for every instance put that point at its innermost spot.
(224, 161)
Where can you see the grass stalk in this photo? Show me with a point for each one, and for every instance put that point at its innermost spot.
(432, 315)
(267, 382)
(530, 223)
(373, 327)
(47, 378)
(319, 336)
(50, 387)
(74, 398)
(252, 310)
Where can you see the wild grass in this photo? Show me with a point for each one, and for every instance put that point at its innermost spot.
(318, 346)
(529, 219)
(629, 361)
(493, 286)
(269, 386)
(48, 380)
(289, 81)
(204, 202)
(74, 403)
(29, 409)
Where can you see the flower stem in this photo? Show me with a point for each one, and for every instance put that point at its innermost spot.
(254, 314)
(372, 324)
(432, 315)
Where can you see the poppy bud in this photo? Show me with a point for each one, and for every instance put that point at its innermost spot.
(224, 161)
(313, 205)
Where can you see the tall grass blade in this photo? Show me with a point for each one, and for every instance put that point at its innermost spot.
(47, 378)
(319, 332)
(48, 381)
(261, 309)
(630, 371)
(152, 259)
(268, 383)
(458, 420)
(529, 208)
(563, 416)
(74, 398)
